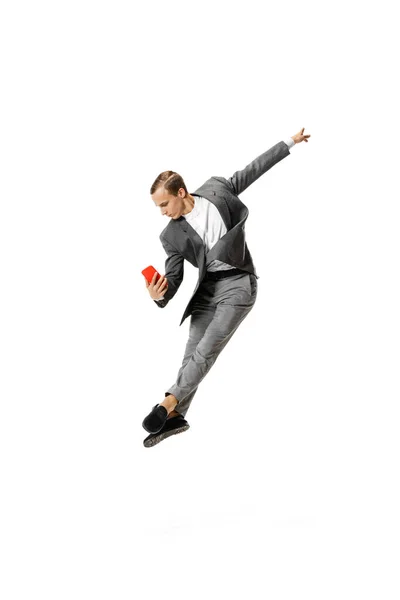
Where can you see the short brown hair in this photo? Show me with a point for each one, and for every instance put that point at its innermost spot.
(171, 181)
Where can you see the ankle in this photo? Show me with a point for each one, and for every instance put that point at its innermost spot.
(169, 402)
(173, 413)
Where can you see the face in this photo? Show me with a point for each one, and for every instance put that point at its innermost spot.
(171, 206)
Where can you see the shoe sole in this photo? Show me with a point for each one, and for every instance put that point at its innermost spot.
(158, 438)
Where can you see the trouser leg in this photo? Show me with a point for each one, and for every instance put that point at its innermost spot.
(199, 321)
(212, 326)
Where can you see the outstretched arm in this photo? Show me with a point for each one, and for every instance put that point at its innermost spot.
(243, 179)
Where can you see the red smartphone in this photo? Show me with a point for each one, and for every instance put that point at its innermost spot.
(149, 271)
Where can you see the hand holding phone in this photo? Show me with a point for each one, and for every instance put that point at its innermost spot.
(156, 284)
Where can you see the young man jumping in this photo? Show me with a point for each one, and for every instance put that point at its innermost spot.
(207, 229)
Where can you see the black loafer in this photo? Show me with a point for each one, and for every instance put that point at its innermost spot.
(155, 419)
(172, 426)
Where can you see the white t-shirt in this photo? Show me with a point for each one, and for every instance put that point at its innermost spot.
(207, 222)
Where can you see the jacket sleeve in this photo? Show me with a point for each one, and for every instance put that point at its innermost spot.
(173, 272)
(260, 165)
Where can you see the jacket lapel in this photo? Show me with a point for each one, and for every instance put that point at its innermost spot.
(226, 247)
(222, 207)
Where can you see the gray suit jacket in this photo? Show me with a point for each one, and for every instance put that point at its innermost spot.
(181, 241)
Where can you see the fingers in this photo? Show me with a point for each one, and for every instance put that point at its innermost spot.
(149, 283)
(161, 287)
(303, 138)
(153, 284)
(161, 284)
(157, 289)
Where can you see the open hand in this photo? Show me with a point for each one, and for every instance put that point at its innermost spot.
(300, 137)
(157, 290)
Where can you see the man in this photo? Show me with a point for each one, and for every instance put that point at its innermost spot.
(207, 229)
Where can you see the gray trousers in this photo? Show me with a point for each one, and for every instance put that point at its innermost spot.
(218, 309)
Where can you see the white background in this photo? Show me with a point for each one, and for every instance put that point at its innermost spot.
(287, 483)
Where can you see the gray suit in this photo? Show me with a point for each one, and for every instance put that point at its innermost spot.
(217, 307)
